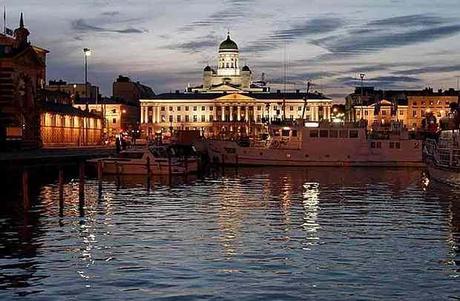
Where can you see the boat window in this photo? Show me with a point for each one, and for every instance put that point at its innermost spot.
(353, 134)
(343, 134)
(379, 144)
(333, 134)
(314, 133)
(324, 133)
(392, 145)
(372, 144)
(294, 133)
(285, 133)
(398, 145)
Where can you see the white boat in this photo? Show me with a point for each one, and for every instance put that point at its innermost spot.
(322, 144)
(154, 160)
(442, 155)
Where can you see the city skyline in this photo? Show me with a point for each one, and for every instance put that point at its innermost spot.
(397, 44)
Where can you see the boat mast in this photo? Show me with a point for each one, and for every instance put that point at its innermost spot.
(305, 100)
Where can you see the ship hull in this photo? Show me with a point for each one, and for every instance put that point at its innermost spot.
(230, 153)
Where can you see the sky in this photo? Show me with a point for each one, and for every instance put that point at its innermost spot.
(397, 44)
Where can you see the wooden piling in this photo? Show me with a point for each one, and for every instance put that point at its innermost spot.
(25, 188)
(61, 190)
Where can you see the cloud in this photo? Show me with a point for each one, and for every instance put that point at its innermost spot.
(81, 25)
(362, 43)
(386, 81)
(316, 26)
(409, 20)
(430, 69)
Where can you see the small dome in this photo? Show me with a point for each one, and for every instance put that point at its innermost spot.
(207, 68)
(246, 68)
(228, 44)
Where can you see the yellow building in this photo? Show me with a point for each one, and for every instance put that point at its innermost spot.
(64, 125)
(119, 116)
(411, 109)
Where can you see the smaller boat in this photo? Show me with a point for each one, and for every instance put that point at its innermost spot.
(442, 155)
(155, 160)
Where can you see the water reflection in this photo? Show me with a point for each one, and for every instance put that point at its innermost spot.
(289, 233)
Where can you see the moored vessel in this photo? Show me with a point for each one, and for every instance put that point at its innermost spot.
(154, 160)
(322, 144)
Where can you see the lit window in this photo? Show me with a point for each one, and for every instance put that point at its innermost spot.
(203, 108)
(203, 118)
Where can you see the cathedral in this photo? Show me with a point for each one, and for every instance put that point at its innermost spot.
(228, 102)
(229, 77)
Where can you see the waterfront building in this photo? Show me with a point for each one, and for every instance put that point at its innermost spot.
(76, 90)
(228, 101)
(410, 107)
(30, 115)
(119, 116)
(129, 91)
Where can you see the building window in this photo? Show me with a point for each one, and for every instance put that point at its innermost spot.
(401, 113)
(414, 113)
(333, 134)
(291, 108)
(353, 134)
(170, 109)
(195, 108)
(259, 108)
(195, 118)
(291, 117)
(170, 118)
(299, 108)
(211, 108)
(313, 133)
(366, 113)
(162, 108)
(203, 118)
(178, 118)
(203, 108)
(211, 118)
(178, 109)
(324, 133)
(114, 120)
(114, 111)
(384, 112)
(186, 108)
(187, 118)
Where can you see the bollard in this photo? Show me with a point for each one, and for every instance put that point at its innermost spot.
(61, 191)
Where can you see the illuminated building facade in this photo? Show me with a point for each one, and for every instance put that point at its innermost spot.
(408, 107)
(228, 101)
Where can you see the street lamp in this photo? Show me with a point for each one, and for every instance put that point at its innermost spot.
(87, 53)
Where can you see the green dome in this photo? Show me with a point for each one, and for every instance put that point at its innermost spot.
(228, 44)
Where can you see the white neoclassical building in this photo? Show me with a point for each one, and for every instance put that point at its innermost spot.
(229, 101)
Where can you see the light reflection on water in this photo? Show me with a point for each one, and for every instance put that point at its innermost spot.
(284, 233)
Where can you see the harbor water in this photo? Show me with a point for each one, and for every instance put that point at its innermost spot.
(234, 234)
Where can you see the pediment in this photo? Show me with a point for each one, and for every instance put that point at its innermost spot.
(236, 98)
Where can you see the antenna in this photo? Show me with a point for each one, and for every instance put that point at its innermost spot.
(4, 19)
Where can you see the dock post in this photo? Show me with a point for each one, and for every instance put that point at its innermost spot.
(25, 188)
(61, 190)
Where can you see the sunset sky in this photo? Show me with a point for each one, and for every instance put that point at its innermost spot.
(166, 44)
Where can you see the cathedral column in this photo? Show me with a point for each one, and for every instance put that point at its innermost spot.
(231, 113)
(214, 113)
(223, 112)
(239, 113)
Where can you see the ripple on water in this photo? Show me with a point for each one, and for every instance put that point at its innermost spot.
(250, 234)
